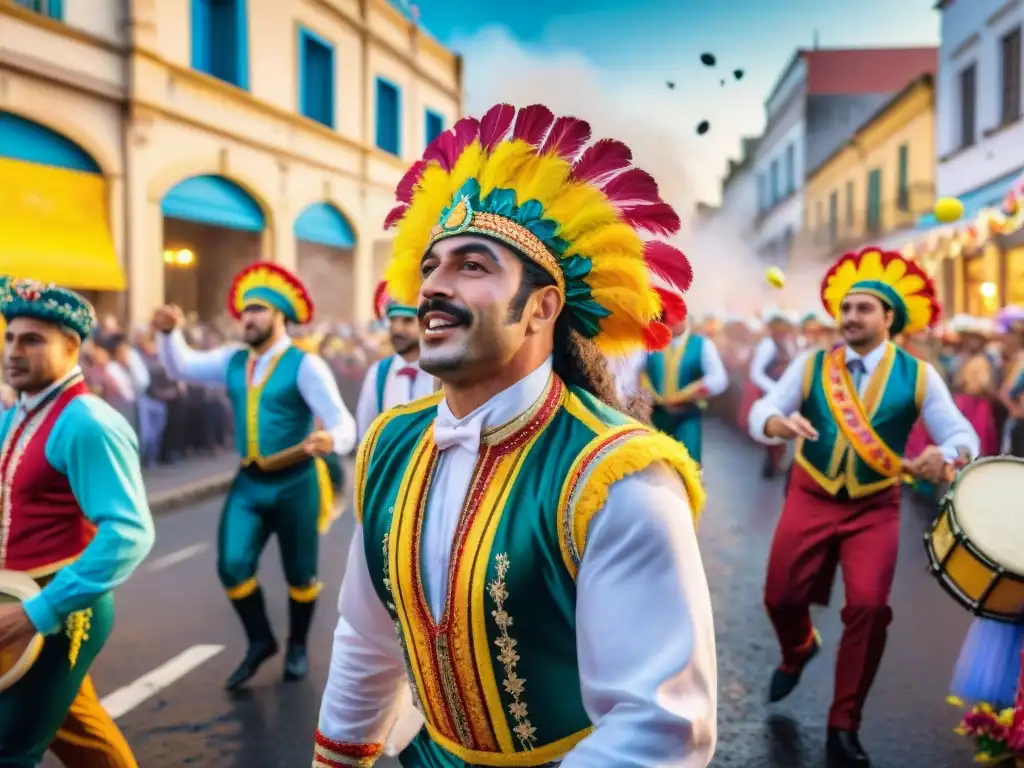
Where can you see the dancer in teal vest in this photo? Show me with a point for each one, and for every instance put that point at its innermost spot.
(283, 486)
(76, 521)
(680, 379)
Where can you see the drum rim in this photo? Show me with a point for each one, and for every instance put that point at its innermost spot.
(970, 545)
(23, 587)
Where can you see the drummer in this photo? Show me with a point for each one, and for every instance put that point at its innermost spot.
(843, 500)
(78, 522)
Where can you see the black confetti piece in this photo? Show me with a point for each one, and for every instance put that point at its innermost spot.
(707, 59)
(703, 127)
(671, 85)
(721, 82)
(738, 74)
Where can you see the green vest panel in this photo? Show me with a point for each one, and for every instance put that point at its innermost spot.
(675, 368)
(273, 416)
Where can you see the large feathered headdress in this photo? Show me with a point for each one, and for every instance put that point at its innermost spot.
(897, 281)
(524, 179)
(273, 286)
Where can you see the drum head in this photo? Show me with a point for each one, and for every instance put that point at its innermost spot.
(989, 505)
(15, 660)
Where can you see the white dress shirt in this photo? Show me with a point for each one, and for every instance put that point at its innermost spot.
(398, 390)
(764, 355)
(943, 420)
(645, 637)
(315, 381)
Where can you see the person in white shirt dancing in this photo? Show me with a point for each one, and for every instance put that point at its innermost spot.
(771, 357)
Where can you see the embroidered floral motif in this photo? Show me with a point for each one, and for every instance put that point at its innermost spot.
(77, 629)
(514, 685)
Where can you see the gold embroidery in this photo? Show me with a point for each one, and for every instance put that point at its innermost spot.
(514, 685)
(77, 629)
(393, 611)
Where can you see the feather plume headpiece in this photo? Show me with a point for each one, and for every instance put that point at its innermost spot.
(897, 281)
(386, 307)
(529, 181)
(273, 286)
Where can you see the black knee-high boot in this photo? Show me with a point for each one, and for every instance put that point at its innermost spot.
(300, 616)
(252, 611)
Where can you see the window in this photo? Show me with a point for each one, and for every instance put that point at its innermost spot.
(903, 180)
(790, 169)
(389, 117)
(316, 78)
(52, 8)
(849, 204)
(762, 192)
(967, 106)
(819, 214)
(1011, 77)
(435, 125)
(220, 40)
(875, 201)
(833, 217)
(776, 190)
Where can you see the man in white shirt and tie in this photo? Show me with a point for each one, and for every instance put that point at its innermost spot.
(398, 379)
(525, 552)
(852, 409)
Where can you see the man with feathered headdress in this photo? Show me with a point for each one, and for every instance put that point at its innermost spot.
(852, 409)
(278, 392)
(510, 526)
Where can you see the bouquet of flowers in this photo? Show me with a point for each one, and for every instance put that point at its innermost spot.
(998, 736)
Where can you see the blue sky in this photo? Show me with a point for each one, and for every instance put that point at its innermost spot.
(623, 52)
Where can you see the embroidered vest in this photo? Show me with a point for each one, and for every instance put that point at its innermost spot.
(272, 416)
(892, 400)
(42, 527)
(672, 370)
(496, 676)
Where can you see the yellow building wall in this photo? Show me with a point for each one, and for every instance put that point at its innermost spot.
(183, 123)
(910, 121)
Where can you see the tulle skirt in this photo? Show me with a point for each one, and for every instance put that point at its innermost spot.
(989, 664)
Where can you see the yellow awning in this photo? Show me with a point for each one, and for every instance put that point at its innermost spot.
(54, 227)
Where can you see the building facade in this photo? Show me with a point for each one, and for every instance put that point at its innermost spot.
(980, 144)
(160, 145)
(877, 184)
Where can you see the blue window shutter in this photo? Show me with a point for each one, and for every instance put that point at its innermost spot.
(55, 9)
(389, 110)
(223, 40)
(316, 78)
(241, 44)
(435, 125)
(201, 35)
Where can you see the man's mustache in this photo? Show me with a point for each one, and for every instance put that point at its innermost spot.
(460, 314)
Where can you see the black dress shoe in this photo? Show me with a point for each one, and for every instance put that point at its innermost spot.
(296, 663)
(258, 653)
(784, 681)
(844, 749)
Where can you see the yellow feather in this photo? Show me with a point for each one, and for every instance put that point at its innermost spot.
(611, 241)
(581, 209)
(466, 167)
(627, 306)
(619, 273)
(502, 166)
(541, 179)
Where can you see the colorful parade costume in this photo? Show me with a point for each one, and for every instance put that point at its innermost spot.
(842, 505)
(279, 488)
(76, 520)
(770, 359)
(392, 380)
(488, 546)
(974, 383)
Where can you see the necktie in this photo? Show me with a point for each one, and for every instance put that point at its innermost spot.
(458, 434)
(410, 373)
(857, 371)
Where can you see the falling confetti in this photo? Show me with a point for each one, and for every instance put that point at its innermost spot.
(671, 85)
(738, 74)
(703, 127)
(707, 59)
(721, 82)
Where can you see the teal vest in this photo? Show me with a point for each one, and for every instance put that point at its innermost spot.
(273, 416)
(892, 400)
(671, 370)
(383, 367)
(497, 675)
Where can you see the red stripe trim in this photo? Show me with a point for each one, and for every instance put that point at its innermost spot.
(347, 749)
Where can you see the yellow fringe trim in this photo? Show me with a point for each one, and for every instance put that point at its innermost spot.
(76, 627)
(243, 590)
(305, 594)
(323, 483)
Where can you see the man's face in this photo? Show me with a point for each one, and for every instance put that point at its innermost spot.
(779, 329)
(36, 354)
(812, 332)
(466, 328)
(258, 324)
(404, 332)
(863, 318)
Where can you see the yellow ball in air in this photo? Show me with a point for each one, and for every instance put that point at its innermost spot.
(948, 210)
(775, 277)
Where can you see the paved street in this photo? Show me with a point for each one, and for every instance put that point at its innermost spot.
(174, 606)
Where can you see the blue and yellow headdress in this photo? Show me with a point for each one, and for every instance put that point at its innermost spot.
(46, 302)
(899, 282)
(271, 285)
(386, 307)
(524, 179)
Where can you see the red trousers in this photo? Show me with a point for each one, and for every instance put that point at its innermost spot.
(817, 532)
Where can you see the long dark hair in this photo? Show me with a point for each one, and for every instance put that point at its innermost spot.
(576, 360)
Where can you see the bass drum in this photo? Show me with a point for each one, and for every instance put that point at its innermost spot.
(16, 660)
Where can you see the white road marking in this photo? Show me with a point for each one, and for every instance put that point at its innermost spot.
(124, 700)
(176, 557)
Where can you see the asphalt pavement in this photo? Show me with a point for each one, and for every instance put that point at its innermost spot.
(176, 640)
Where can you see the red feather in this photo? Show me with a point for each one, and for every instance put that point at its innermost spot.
(447, 147)
(673, 308)
(567, 137)
(532, 124)
(603, 157)
(657, 336)
(658, 219)
(495, 124)
(403, 193)
(633, 186)
(395, 215)
(284, 274)
(380, 300)
(668, 262)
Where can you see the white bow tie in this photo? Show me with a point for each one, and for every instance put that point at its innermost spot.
(464, 435)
